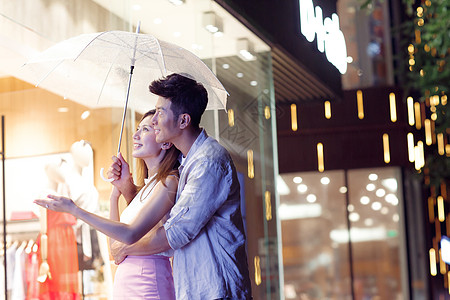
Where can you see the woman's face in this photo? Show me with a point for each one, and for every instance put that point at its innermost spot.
(144, 143)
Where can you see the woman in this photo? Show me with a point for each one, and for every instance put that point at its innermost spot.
(142, 277)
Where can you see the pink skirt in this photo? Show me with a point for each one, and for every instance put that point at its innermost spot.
(144, 277)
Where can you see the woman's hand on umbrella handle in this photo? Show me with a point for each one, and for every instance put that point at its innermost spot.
(115, 170)
(103, 176)
(119, 171)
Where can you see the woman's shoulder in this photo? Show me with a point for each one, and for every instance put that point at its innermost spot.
(170, 182)
(172, 179)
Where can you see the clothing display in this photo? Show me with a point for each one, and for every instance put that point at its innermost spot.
(11, 259)
(19, 281)
(32, 274)
(205, 227)
(22, 275)
(58, 239)
(62, 258)
(143, 277)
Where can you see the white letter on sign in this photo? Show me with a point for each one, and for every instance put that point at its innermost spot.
(329, 37)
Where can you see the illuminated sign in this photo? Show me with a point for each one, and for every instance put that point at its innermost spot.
(329, 37)
(445, 249)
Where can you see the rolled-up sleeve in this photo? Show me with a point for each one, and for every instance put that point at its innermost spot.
(206, 189)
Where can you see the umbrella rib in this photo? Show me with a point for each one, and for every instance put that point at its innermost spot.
(104, 82)
(123, 42)
(49, 72)
(90, 42)
(137, 50)
(162, 57)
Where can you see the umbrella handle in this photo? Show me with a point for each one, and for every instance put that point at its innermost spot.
(103, 176)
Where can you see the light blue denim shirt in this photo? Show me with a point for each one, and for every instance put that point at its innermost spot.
(205, 227)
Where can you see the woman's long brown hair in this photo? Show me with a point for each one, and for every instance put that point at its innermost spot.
(168, 165)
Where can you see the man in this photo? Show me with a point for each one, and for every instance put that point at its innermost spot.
(205, 227)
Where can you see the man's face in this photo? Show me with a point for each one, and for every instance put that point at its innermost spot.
(164, 122)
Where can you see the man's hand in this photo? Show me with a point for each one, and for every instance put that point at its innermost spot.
(153, 242)
(118, 251)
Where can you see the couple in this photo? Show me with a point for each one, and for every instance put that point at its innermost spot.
(193, 215)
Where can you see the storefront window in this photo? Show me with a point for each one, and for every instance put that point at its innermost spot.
(330, 252)
(377, 235)
(45, 132)
(312, 207)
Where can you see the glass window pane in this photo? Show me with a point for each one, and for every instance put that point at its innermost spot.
(315, 236)
(376, 236)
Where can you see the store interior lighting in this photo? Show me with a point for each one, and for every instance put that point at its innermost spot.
(282, 187)
(177, 2)
(358, 234)
(245, 49)
(299, 211)
(212, 22)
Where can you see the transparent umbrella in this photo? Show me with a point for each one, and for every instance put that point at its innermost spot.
(114, 68)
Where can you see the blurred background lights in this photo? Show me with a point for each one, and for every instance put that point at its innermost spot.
(368, 222)
(282, 187)
(384, 210)
(302, 188)
(325, 180)
(395, 218)
(370, 187)
(85, 115)
(373, 177)
(392, 199)
(343, 190)
(376, 205)
(297, 179)
(380, 193)
(364, 200)
(390, 184)
(354, 217)
(311, 198)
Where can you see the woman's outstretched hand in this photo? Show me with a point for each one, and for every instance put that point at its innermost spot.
(57, 203)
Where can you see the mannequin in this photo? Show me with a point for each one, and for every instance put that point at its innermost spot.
(58, 270)
(80, 181)
(85, 195)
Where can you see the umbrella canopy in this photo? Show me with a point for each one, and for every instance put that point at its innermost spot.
(94, 69)
(114, 68)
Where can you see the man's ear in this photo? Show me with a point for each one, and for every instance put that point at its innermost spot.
(166, 146)
(184, 121)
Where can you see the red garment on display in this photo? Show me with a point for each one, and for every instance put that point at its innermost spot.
(32, 274)
(62, 259)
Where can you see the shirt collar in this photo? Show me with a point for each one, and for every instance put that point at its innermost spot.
(198, 142)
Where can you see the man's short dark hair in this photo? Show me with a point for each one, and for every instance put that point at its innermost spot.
(186, 95)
